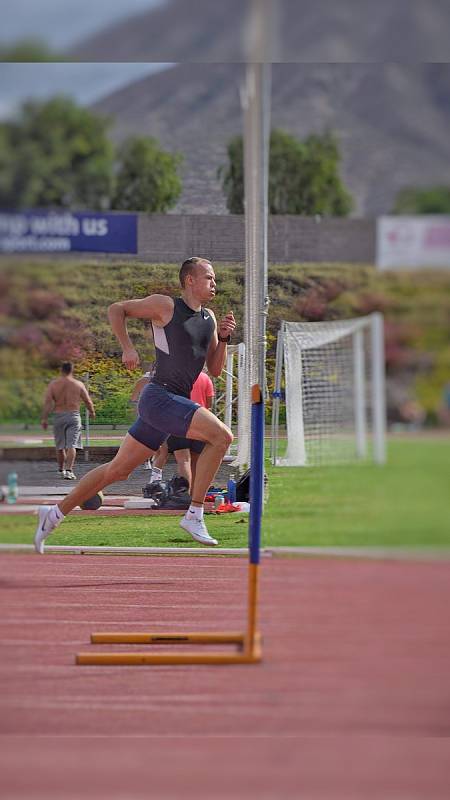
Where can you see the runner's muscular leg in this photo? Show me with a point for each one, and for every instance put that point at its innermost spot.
(206, 427)
(130, 455)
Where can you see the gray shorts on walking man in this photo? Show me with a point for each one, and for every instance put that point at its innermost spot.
(67, 430)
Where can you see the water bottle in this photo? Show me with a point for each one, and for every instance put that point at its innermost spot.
(231, 489)
(13, 489)
(219, 500)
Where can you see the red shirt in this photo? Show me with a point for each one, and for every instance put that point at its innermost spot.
(202, 389)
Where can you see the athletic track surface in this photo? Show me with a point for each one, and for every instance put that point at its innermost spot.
(352, 699)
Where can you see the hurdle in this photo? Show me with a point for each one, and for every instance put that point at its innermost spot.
(248, 646)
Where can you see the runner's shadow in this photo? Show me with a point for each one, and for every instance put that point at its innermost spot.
(182, 542)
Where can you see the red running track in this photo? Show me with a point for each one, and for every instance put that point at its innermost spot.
(352, 699)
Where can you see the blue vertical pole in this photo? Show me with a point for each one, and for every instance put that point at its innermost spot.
(256, 476)
(256, 507)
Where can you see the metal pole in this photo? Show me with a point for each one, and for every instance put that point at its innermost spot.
(228, 416)
(277, 398)
(359, 394)
(378, 389)
(86, 422)
(256, 181)
(243, 417)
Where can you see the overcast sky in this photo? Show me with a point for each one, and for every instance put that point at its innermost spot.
(61, 23)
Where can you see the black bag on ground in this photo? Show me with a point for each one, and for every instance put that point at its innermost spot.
(156, 490)
(178, 497)
(243, 487)
(171, 496)
(178, 485)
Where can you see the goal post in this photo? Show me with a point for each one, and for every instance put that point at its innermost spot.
(230, 402)
(334, 392)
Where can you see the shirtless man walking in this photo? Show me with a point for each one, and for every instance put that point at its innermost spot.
(186, 335)
(64, 396)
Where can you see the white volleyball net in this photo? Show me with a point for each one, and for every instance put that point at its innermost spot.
(334, 394)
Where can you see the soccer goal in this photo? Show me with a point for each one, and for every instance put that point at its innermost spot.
(334, 392)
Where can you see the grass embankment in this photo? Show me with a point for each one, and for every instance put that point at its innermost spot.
(402, 504)
(56, 310)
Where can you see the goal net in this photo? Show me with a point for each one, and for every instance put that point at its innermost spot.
(334, 392)
(230, 402)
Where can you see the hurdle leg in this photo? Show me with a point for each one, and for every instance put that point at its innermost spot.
(193, 657)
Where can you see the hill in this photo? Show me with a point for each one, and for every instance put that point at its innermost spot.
(325, 31)
(392, 121)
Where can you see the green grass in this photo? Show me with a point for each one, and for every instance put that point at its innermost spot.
(403, 504)
(93, 442)
(129, 531)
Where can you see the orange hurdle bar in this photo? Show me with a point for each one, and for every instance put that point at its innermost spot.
(168, 638)
(135, 659)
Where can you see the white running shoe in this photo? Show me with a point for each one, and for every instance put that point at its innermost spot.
(43, 529)
(70, 476)
(62, 473)
(198, 531)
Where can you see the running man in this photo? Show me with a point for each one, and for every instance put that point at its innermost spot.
(64, 396)
(186, 335)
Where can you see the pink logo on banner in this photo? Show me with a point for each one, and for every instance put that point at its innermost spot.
(438, 236)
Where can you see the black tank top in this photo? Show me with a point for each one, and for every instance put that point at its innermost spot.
(181, 348)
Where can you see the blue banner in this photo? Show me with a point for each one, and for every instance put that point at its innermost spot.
(64, 232)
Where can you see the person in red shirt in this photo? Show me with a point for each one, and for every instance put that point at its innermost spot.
(185, 451)
(203, 391)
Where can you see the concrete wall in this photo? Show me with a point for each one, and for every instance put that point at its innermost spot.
(171, 237)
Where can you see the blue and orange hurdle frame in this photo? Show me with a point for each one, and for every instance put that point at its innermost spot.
(248, 648)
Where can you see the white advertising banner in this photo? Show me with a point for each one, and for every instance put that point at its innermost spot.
(412, 242)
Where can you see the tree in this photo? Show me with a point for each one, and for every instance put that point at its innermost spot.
(147, 178)
(432, 200)
(26, 50)
(58, 155)
(303, 176)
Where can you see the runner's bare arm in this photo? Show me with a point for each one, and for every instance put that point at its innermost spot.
(217, 351)
(86, 398)
(156, 307)
(49, 402)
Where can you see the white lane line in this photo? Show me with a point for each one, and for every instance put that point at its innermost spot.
(377, 553)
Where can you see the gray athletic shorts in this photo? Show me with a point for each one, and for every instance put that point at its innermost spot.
(67, 430)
